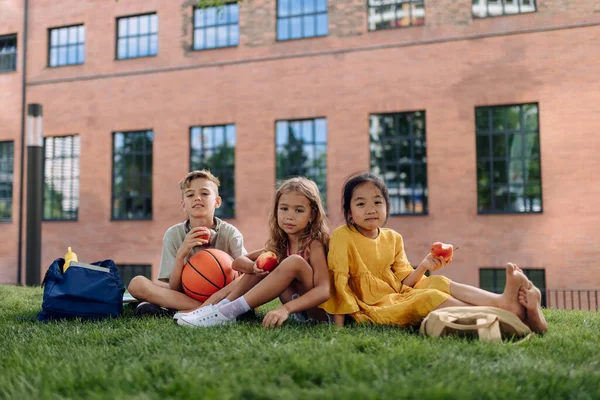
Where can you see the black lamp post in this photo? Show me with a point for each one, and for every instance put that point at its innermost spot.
(35, 194)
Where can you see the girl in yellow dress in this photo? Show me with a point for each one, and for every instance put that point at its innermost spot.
(373, 282)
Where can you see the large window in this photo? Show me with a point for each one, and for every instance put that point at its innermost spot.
(61, 178)
(399, 157)
(128, 271)
(213, 148)
(8, 53)
(299, 19)
(216, 27)
(6, 180)
(494, 280)
(137, 36)
(67, 46)
(509, 178)
(132, 175)
(301, 148)
(495, 8)
(385, 14)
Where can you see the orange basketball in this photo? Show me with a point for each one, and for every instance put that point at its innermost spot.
(206, 272)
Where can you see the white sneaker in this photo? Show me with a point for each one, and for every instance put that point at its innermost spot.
(215, 317)
(193, 312)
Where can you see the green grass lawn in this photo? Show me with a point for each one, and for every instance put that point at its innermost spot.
(130, 358)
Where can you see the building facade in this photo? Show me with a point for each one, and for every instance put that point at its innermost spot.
(481, 116)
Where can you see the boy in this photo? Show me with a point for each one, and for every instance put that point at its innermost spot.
(199, 199)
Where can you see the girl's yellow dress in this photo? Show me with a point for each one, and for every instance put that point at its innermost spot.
(366, 277)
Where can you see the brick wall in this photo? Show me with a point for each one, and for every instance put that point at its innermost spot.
(263, 80)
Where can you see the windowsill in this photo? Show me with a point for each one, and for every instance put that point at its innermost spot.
(66, 65)
(112, 219)
(503, 15)
(60, 220)
(302, 38)
(483, 213)
(7, 72)
(6, 221)
(425, 214)
(135, 58)
(233, 46)
(391, 28)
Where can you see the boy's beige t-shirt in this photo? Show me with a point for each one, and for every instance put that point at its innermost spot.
(223, 236)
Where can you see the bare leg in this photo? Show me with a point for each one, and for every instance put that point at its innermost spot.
(292, 268)
(469, 295)
(530, 297)
(144, 289)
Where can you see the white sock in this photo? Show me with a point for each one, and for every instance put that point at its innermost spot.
(235, 308)
(222, 303)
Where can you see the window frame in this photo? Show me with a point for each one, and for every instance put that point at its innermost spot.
(3, 40)
(11, 160)
(224, 215)
(396, 4)
(314, 144)
(117, 58)
(491, 159)
(411, 137)
(503, 5)
(228, 25)
(50, 46)
(75, 178)
(278, 18)
(113, 196)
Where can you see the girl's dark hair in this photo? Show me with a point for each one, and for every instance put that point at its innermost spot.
(355, 180)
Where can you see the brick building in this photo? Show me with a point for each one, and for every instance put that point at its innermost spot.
(482, 116)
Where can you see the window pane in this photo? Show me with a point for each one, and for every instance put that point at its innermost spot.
(73, 31)
(132, 175)
(398, 156)
(308, 6)
(283, 8)
(122, 27)
(234, 13)
(154, 23)
(234, 35)
(153, 44)
(132, 27)
(211, 37)
(309, 25)
(211, 16)
(322, 27)
(62, 36)
(283, 29)
(132, 47)
(199, 16)
(144, 24)
(61, 177)
(122, 48)
(321, 5)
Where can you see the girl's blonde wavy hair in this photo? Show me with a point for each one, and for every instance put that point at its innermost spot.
(317, 229)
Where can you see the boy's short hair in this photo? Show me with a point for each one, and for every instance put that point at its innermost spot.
(202, 174)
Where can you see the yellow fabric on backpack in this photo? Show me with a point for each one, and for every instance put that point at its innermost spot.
(366, 280)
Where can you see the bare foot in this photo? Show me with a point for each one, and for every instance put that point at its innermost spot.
(509, 300)
(530, 297)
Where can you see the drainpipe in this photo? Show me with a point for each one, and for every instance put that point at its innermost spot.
(21, 172)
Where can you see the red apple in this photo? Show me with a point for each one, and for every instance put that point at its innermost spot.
(267, 261)
(439, 249)
(204, 235)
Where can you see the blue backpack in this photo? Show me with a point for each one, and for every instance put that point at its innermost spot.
(88, 291)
